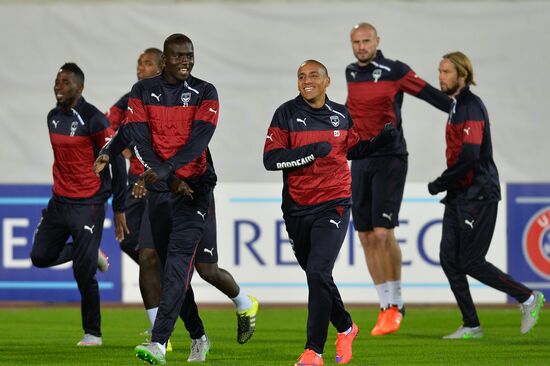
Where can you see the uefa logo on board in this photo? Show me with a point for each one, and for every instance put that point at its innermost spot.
(536, 242)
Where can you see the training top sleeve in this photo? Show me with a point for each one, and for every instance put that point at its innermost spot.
(277, 152)
(136, 129)
(360, 149)
(117, 112)
(102, 134)
(412, 84)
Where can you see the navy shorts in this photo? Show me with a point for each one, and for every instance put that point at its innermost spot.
(377, 186)
(137, 219)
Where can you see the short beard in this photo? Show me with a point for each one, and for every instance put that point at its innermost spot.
(451, 91)
(368, 59)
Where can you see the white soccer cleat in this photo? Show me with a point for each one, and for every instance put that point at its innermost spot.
(530, 313)
(199, 350)
(466, 333)
(90, 340)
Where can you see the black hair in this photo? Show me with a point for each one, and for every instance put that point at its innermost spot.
(176, 38)
(72, 67)
(153, 50)
(323, 67)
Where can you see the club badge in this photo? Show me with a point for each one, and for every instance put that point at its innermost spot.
(376, 74)
(185, 98)
(335, 120)
(74, 126)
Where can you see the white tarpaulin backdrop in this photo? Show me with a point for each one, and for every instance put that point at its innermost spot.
(251, 53)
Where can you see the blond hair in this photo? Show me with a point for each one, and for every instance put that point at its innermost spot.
(463, 66)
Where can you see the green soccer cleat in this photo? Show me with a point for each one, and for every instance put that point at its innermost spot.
(246, 321)
(150, 352)
(530, 313)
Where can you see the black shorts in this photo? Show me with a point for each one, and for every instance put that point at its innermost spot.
(137, 219)
(207, 251)
(377, 186)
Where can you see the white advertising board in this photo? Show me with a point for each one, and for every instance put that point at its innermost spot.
(253, 246)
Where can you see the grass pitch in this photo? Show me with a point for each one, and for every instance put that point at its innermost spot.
(47, 336)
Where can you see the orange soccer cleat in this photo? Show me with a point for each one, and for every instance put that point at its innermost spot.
(309, 358)
(343, 345)
(391, 320)
(376, 330)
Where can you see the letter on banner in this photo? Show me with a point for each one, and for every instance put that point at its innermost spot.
(10, 241)
(249, 243)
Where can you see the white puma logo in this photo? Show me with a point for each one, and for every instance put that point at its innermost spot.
(387, 216)
(270, 136)
(470, 223)
(212, 110)
(209, 251)
(467, 130)
(130, 109)
(299, 120)
(203, 215)
(156, 96)
(90, 229)
(337, 224)
(353, 73)
(55, 123)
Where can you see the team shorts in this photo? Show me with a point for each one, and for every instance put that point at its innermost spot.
(137, 220)
(377, 186)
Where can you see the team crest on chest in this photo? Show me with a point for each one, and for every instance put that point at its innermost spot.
(376, 74)
(335, 120)
(185, 98)
(74, 126)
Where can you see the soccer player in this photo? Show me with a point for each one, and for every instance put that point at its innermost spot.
(171, 119)
(77, 132)
(138, 242)
(473, 191)
(140, 237)
(310, 139)
(375, 95)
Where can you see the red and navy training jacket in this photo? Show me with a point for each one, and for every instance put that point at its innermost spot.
(313, 183)
(471, 172)
(116, 116)
(117, 113)
(76, 139)
(375, 97)
(172, 124)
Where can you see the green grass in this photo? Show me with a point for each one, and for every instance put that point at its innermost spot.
(47, 336)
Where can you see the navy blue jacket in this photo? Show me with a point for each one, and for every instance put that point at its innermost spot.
(171, 124)
(76, 138)
(375, 97)
(312, 148)
(471, 172)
